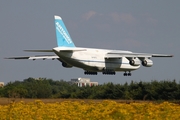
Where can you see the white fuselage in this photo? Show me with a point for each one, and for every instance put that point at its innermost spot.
(94, 60)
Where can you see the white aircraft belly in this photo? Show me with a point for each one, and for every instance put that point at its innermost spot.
(96, 61)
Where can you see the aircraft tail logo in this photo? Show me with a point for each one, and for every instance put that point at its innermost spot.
(62, 35)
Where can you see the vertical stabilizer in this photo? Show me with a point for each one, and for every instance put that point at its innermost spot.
(62, 35)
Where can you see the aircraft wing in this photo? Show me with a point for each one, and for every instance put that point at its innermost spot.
(43, 57)
(130, 55)
(161, 55)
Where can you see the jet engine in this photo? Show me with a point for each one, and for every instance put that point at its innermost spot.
(147, 62)
(134, 62)
(66, 65)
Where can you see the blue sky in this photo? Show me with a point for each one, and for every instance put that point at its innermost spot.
(135, 25)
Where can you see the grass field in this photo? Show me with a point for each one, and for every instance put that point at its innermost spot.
(79, 109)
(5, 101)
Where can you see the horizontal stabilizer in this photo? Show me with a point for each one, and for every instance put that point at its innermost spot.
(38, 50)
(68, 49)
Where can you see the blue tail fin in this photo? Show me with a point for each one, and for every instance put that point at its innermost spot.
(62, 35)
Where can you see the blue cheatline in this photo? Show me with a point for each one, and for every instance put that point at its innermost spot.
(62, 35)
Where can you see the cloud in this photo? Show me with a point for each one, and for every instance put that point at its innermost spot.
(151, 20)
(148, 19)
(123, 17)
(103, 27)
(89, 15)
(116, 17)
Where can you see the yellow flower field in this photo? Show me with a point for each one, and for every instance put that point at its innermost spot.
(80, 110)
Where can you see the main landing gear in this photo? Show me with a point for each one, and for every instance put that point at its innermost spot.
(108, 72)
(104, 73)
(127, 74)
(90, 73)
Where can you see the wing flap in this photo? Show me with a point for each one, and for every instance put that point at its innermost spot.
(127, 55)
(17, 58)
(161, 55)
(139, 55)
(43, 57)
(113, 56)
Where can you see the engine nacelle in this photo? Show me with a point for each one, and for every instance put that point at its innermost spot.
(134, 62)
(147, 62)
(66, 65)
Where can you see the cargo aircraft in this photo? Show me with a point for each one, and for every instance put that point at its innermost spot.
(92, 60)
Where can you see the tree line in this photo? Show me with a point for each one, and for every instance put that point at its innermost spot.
(48, 88)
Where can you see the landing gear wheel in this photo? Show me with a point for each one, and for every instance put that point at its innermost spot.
(129, 74)
(125, 74)
(106, 72)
